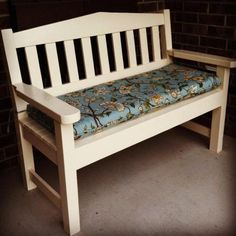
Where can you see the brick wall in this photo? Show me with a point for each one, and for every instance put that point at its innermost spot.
(8, 142)
(208, 26)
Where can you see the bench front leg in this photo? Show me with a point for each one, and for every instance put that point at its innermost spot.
(27, 162)
(218, 115)
(67, 178)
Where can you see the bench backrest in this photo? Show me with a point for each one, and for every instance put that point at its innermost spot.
(107, 46)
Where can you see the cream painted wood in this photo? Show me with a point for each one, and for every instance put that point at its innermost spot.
(203, 57)
(86, 83)
(88, 58)
(103, 55)
(71, 61)
(27, 156)
(117, 51)
(61, 148)
(40, 138)
(53, 64)
(128, 133)
(167, 29)
(144, 45)
(67, 177)
(33, 66)
(52, 106)
(131, 48)
(13, 65)
(99, 23)
(218, 115)
(197, 128)
(52, 195)
(156, 43)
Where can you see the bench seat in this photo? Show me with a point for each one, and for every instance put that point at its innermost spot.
(111, 103)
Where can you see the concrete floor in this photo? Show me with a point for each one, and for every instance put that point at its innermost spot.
(168, 185)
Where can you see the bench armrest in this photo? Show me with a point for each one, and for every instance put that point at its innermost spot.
(203, 57)
(50, 105)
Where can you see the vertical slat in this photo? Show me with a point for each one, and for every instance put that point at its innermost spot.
(144, 45)
(131, 48)
(167, 29)
(102, 45)
(118, 51)
(88, 57)
(33, 66)
(156, 43)
(71, 60)
(53, 64)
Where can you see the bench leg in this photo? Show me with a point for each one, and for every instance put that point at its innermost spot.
(217, 129)
(67, 178)
(218, 115)
(69, 201)
(27, 162)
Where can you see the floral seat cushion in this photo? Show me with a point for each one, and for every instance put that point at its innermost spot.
(114, 102)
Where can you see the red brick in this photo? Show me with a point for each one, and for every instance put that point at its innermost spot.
(9, 163)
(8, 129)
(11, 151)
(4, 91)
(185, 17)
(219, 52)
(231, 21)
(4, 116)
(213, 42)
(5, 103)
(174, 5)
(232, 100)
(7, 140)
(222, 32)
(194, 48)
(212, 19)
(4, 7)
(223, 8)
(195, 29)
(195, 6)
(147, 7)
(186, 39)
(4, 22)
(2, 156)
(176, 27)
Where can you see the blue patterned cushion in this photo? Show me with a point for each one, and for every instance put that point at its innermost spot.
(114, 102)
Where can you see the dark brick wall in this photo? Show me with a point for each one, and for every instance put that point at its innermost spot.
(208, 26)
(8, 141)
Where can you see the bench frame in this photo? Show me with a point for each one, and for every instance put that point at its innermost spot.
(70, 155)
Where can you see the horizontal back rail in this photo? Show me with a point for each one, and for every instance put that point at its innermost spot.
(86, 26)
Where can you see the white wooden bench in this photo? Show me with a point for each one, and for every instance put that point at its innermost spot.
(70, 155)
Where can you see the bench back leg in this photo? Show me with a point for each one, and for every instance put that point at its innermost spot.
(27, 162)
(67, 178)
(218, 115)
